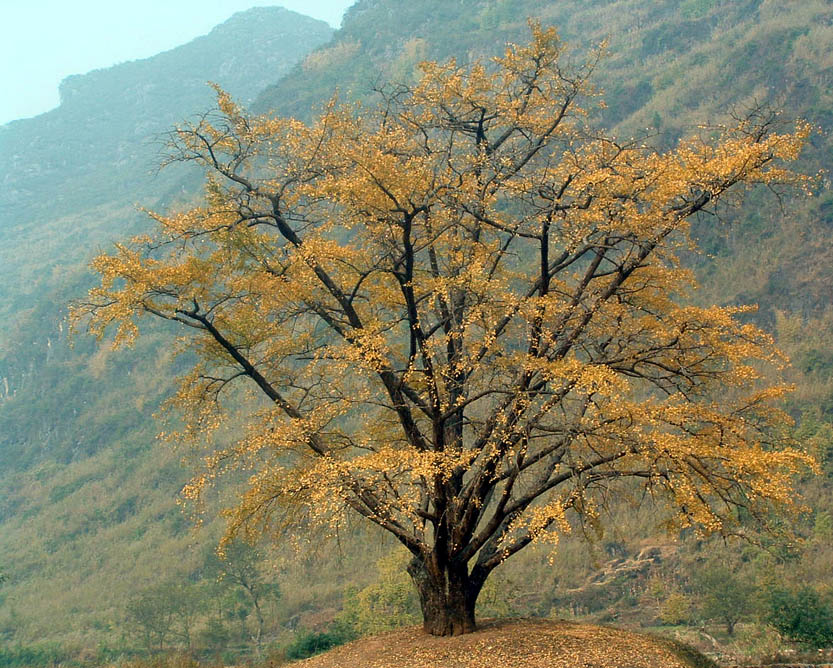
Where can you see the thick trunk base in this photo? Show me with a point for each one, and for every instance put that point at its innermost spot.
(448, 599)
(447, 622)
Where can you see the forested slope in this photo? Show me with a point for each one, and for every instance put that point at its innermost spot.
(75, 426)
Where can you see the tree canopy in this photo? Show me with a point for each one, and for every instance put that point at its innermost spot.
(462, 316)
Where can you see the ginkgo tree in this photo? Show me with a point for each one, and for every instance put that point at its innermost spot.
(464, 315)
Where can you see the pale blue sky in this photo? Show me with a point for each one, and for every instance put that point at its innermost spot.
(43, 41)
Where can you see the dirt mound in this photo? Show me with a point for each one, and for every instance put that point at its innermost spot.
(527, 643)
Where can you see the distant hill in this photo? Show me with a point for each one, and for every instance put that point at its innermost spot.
(102, 145)
(71, 177)
(100, 140)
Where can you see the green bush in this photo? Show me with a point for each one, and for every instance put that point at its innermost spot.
(676, 609)
(32, 656)
(388, 603)
(802, 616)
(308, 644)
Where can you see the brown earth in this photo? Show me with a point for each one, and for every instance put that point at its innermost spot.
(527, 643)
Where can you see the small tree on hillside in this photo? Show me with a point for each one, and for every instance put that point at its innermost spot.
(151, 614)
(464, 317)
(241, 566)
(802, 615)
(726, 596)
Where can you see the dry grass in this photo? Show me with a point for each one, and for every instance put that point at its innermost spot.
(527, 643)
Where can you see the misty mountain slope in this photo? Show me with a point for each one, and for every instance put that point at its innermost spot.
(87, 503)
(71, 177)
(98, 145)
(102, 145)
(84, 490)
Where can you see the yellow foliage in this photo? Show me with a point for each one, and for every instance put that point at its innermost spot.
(462, 312)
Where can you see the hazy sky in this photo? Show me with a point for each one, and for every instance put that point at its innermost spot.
(43, 41)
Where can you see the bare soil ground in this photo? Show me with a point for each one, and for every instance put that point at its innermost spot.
(527, 643)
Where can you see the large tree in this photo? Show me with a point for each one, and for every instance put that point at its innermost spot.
(464, 315)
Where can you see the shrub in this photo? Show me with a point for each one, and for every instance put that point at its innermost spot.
(386, 604)
(676, 609)
(308, 644)
(802, 616)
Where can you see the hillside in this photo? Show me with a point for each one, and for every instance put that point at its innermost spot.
(100, 149)
(87, 507)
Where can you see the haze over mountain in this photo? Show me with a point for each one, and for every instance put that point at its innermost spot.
(102, 144)
(87, 498)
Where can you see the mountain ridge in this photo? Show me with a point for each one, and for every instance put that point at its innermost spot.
(105, 114)
(103, 144)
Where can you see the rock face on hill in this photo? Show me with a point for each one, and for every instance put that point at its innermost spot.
(518, 643)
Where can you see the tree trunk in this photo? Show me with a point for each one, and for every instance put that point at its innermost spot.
(259, 615)
(447, 595)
